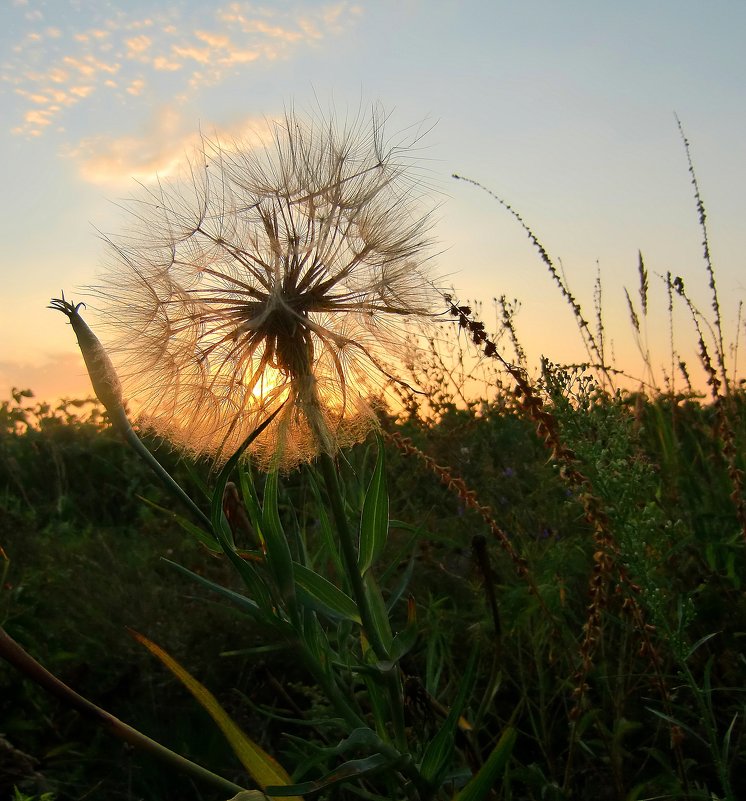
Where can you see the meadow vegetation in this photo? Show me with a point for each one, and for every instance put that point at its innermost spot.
(557, 585)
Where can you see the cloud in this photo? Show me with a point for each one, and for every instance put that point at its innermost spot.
(138, 46)
(244, 56)
(34, 98)
(164, 64)
(58, 87)
(199, 54)
(136, 87)
(112, 161)
(39, 118)
(81, 91)
(90, 66)
(57, 75)
(158, 152)
(71, 66)
(213, 39)
(86, 36)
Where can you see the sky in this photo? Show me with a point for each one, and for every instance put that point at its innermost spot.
(565, 110)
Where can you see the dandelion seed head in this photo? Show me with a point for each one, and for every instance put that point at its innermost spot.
(269, 275)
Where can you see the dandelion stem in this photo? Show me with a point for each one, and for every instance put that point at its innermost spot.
(108, 390)
(331, 479)
(349, 555)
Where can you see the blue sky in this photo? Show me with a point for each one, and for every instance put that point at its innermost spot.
(564, 109)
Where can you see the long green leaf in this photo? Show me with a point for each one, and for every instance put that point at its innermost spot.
(354, 769)
(323, 596)
(486, 778)
(378, 612)
(677, 722)
(374, 523)
(263, 768)
(325, 526)
(278, 552)
(401, 585)
(248, 605)
(250, 496)
(216, 507)
(207, 539)
(362, 739)
(440, 749)
(253, 581)
(407, 637)
(701, 641)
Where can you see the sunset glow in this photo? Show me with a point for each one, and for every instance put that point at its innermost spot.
(565, 111)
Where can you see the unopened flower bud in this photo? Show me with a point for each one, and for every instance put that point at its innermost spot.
(100, 369)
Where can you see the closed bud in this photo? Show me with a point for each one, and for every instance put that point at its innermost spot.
(100, 369)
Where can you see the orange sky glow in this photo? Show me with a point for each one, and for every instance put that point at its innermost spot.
(564, 111)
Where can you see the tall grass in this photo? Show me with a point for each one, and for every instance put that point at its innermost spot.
(571, 541)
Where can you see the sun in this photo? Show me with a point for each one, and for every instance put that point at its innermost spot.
(268, 383)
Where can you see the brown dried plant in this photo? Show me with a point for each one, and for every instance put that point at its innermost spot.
(593, 347)
(608, 569)
(724, 405)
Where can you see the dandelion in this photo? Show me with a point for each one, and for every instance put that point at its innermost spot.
(283, 273)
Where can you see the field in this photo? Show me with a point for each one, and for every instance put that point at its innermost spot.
(530, 592)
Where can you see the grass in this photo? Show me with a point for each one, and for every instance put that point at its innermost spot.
(575, 556)
(659, 712)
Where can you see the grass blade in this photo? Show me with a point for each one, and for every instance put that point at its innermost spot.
(263, 768)
(12, 652)
(374, 522)
(378, 613)
(247, 605)
(207, 539)
(324, 597)
(216, 507)
(279, 560)
(440, 749)
(353, 769)
(487, 777)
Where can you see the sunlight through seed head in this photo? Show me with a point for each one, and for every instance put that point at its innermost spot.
(273, 274)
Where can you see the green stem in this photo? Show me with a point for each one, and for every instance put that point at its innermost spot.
(417, 788)
(393, 685)
(710, 724)
(349, 555)
(12, 652)
(123, 426)
(329, 686)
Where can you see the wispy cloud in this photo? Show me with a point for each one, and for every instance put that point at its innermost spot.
(157, 152)
(135, 88)
(54, 67)
(138, 47)
(166, 64)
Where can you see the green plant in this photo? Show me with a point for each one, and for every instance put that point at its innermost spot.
(291, 273)
(19, 796)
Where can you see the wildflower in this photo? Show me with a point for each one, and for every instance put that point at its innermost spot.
(273, 274)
